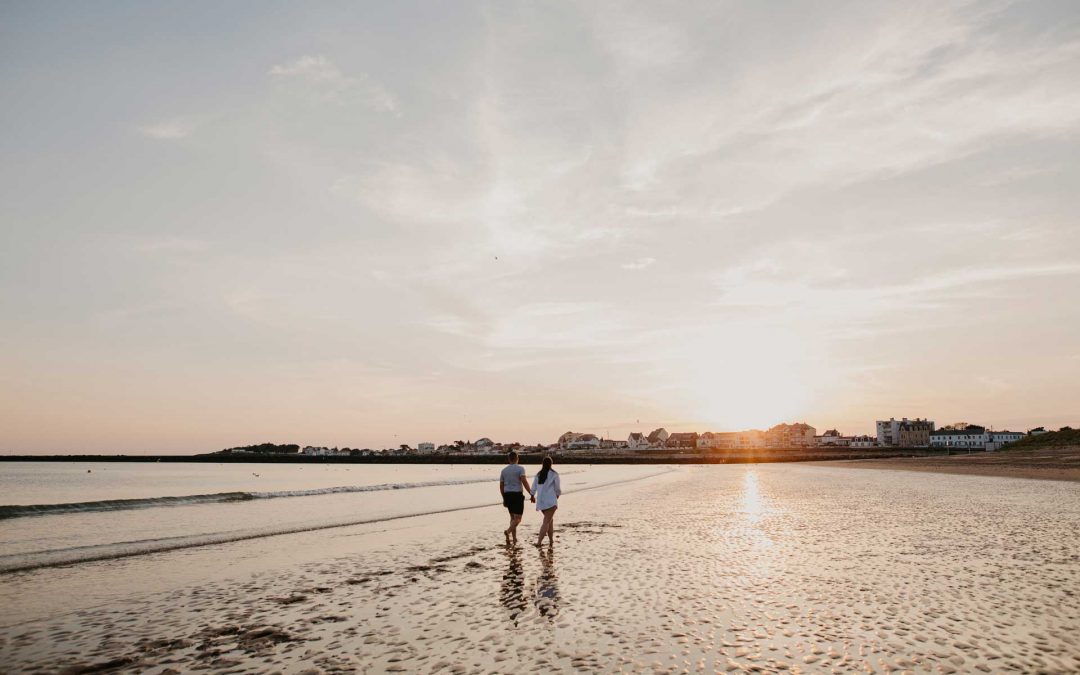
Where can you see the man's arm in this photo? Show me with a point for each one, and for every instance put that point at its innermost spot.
(500, 486)
(525, 483)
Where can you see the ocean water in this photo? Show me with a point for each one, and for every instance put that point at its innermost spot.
(54, 514)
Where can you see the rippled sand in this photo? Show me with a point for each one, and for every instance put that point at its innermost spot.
(765, 568)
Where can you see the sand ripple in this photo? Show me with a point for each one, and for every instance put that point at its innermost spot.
(726, 569)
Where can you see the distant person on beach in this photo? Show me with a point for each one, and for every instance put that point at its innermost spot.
(512, 483)
(546, 491)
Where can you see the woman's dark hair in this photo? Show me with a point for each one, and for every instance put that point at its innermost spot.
(542, 476)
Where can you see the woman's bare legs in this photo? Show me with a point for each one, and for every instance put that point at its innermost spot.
(547, 527)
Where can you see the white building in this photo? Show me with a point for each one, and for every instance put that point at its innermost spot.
(833, 437)
(995, 440)
(572, 440)
(970, 437)
(425, 448)
(318, 451)
(863, 442)
(637, 441)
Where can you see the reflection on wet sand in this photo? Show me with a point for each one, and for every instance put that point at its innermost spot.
(766, 569)
(512, 594)
(547, 585)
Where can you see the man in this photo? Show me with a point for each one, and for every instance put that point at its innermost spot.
(512, 486)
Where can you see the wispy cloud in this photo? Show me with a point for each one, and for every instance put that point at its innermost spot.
(172, 130)
(639, 264)
(170, 244)
(325, 75)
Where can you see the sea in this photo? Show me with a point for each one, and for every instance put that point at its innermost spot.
(63, 513)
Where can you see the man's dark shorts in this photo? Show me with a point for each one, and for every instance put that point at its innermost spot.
(514, 502)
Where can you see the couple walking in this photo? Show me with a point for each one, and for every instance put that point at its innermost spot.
(545, 492)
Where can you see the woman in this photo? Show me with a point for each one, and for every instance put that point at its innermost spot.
(546, 492)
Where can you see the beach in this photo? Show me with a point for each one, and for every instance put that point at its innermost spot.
(750, 568)
(1045, 463)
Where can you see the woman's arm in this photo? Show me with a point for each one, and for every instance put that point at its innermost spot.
(558, 486)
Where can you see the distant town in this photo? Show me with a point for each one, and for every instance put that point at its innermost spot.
(892, 435)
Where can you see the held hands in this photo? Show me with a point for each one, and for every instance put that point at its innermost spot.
(532, 498)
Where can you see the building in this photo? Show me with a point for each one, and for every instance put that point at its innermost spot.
(969, 437)
(657, 437)
(832, 437)
(863, 442)
(708, 441)
(798, 435)
(682, 441)
(566, 439)
(914, 433)
(637, 441)
(734, 440)
(904, 433)
(572, 440)
(1037, 431)
(995, 440)
(425, 448)
(484, 445)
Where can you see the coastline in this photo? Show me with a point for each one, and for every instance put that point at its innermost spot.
(1050, 463)
(761, 456)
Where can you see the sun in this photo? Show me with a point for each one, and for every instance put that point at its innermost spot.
(747, 380)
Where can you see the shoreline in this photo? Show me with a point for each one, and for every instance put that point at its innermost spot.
(769, 455)
(1051, 463)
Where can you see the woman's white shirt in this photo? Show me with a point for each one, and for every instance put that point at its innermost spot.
(547, 493)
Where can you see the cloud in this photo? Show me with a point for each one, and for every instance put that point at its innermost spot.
(323, 74)
(173, 130)
(921, 89)
(315, 68)
(171, 245)
(639, 264)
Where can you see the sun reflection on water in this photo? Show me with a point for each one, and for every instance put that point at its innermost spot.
(754, 523)
(751, 503)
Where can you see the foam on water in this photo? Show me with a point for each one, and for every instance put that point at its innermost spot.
(19, 511)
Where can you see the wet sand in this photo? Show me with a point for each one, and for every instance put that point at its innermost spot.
(1043, 463)
(774, 568)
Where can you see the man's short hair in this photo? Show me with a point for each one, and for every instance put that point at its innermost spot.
(512, 455)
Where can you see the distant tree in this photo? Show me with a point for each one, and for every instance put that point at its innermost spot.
(404, 447)
(266, 448)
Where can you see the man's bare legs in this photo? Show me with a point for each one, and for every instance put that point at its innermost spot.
(511, 532)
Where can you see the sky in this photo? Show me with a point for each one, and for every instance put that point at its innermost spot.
(367, 224)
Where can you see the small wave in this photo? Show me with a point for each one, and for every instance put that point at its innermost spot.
(19, 511)
(21, 562)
